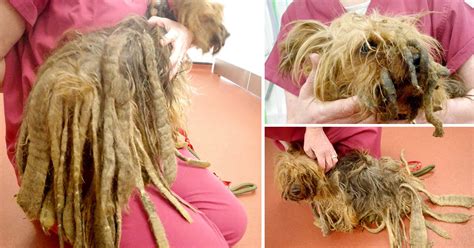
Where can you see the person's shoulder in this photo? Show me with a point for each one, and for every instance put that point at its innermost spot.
(443, 5)
(434, 5)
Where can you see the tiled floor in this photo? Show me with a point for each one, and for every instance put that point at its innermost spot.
(289, 224)
(224, 127)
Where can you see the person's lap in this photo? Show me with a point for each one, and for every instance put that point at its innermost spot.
(219, 222)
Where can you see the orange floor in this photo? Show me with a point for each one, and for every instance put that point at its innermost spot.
(224, 127)
(289, 224)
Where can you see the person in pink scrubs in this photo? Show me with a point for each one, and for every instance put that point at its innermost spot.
(327, 144)
(30, 29)
(450, 22)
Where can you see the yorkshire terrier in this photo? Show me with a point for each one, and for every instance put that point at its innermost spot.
(384, 60)
(364, 191)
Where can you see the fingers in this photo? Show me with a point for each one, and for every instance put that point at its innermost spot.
(176, 55)
(321, 160)
(178, 36)
(310, 152)
(168, 38)
(306, 91)
(342, 108)
(331, 160)
(155, 20)
(326, 161)
(314, 62)
(307, 88)
(369, 120)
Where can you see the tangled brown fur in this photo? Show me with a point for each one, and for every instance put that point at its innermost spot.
(101, 121)
(383, 60)
(209, 32)
(368, 192)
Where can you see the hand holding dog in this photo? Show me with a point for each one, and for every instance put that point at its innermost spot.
(178, 36)
(317, 146)
(306, 109)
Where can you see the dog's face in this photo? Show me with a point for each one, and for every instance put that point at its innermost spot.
(383, 60)
(205, 20)
(299, 177)
(217, 35)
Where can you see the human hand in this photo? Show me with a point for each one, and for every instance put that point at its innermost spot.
(455, 111)
(179, 37)
(317, 146)
(306, 109)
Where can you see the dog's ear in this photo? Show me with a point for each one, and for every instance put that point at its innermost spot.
(305, 37)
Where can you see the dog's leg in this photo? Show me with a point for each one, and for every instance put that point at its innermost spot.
(389, 95)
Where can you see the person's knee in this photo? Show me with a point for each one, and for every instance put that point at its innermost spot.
(236, 221)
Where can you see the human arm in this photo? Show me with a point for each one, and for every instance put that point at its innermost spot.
(11, 30)
(317, 146)
(178, 36)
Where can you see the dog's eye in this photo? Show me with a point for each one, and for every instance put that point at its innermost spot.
(416, 60)
(367, 46)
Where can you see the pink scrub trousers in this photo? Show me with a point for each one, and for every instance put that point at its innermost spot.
(344, 139)
(220, 221)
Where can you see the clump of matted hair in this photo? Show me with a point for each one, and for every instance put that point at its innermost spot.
(368, 192)
(100, 122)
(383, 60)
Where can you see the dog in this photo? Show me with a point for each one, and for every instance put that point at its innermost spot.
(202, 18)
(364, 191)
(383, 60)
(103, 109)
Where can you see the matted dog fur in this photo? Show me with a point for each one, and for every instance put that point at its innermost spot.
(101, 121)
(363, 191)
(383, 60)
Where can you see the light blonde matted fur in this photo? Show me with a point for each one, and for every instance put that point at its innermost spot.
(383, 60)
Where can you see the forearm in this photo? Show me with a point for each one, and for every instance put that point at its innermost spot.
(315, 131)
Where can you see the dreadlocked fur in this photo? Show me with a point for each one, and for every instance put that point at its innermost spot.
(383, 60)
(101, 121)
(364, 191)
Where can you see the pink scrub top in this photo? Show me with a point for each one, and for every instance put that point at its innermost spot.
(344, 139)
(451, 24)
(46, 21)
